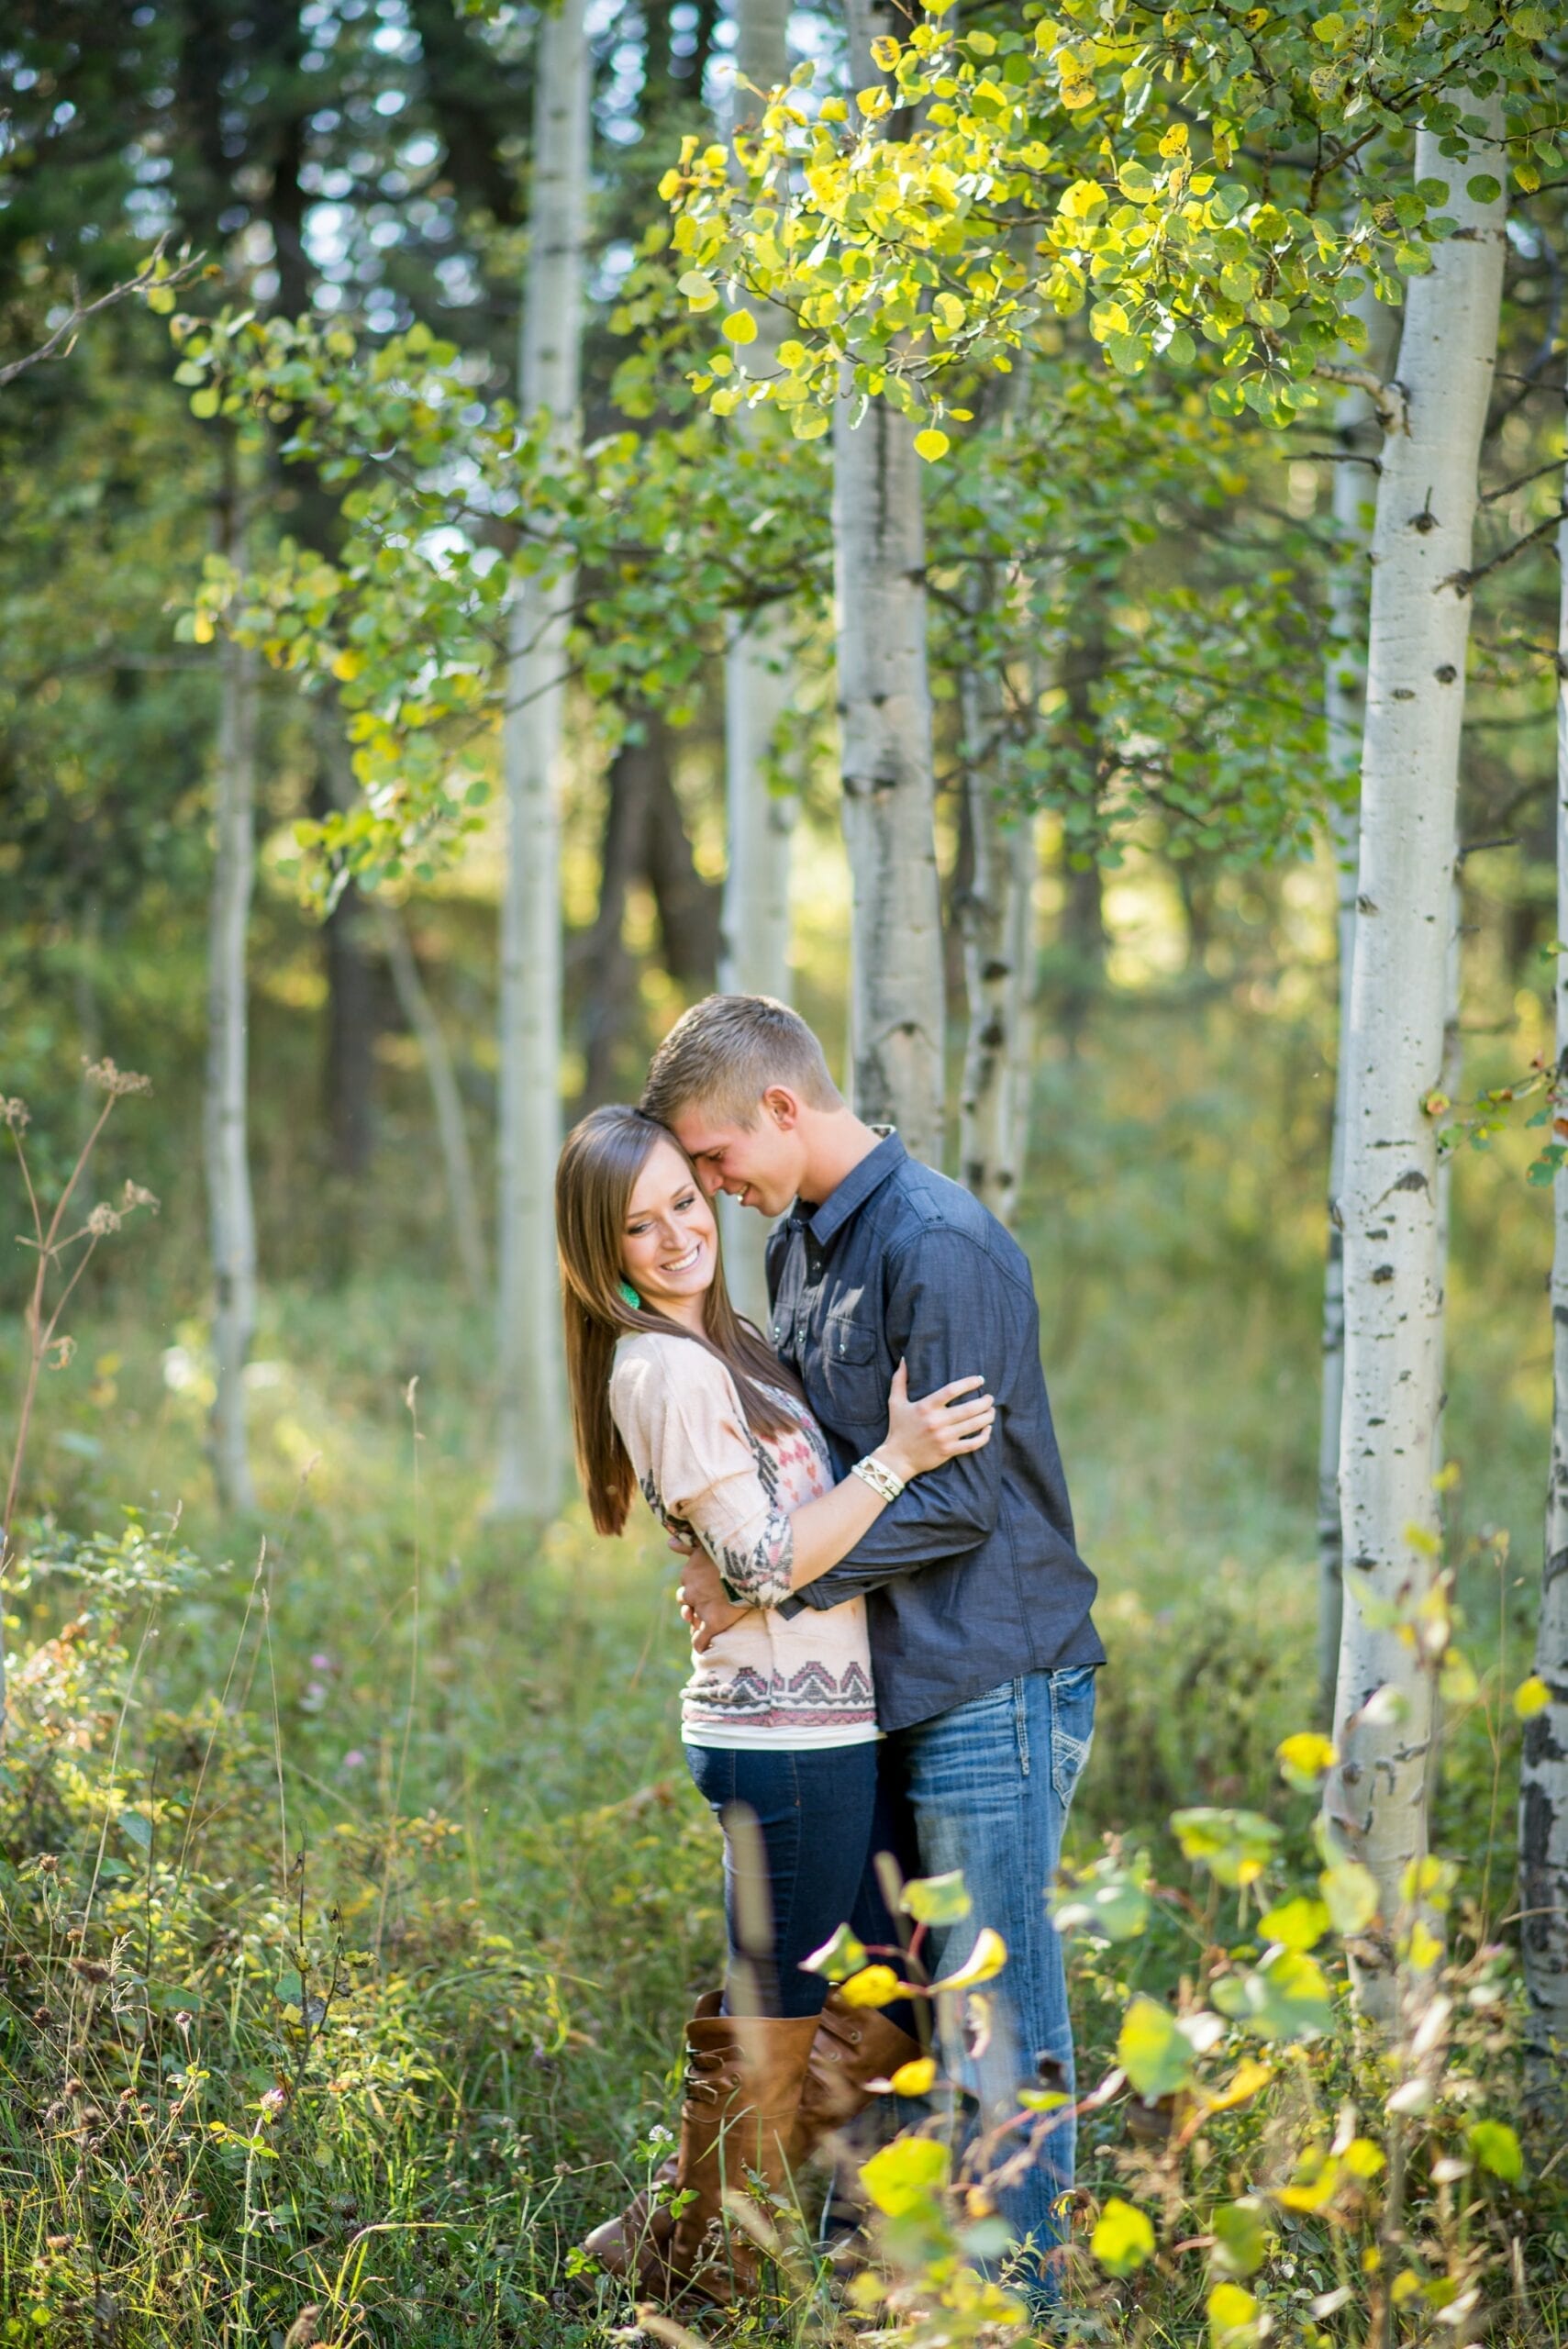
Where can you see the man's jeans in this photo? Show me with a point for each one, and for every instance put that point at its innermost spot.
(988, 1786)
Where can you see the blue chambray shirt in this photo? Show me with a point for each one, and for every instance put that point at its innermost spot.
(972, 1576)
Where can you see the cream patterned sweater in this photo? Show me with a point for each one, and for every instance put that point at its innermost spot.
(802, 1683)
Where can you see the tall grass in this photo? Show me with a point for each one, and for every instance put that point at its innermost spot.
(354, 1887)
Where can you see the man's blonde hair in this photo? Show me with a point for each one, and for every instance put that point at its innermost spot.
(723, 1054)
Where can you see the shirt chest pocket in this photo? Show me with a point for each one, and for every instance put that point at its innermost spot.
(852, 1372)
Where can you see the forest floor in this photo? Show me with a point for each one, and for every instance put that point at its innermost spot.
(442, 1806)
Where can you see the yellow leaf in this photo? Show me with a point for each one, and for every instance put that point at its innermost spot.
(1243, 2084)
(1531, 1697)
(914, 2077)
(347, 665)
(739, 326)
(875, 1985)
(988, 1956)
(1123, 2238)
(1231, 2310)
(932, 444)
(1305, 1757)
(906, 2174)
(202, 628)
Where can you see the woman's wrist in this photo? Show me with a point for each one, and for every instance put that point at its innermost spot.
(887, 1455)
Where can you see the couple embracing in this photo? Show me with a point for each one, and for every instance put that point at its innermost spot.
(893, 1651)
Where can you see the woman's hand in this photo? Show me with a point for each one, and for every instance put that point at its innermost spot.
(705, 1605)
(921, 1435)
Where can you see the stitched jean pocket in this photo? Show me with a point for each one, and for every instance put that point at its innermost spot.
(1072, 1728)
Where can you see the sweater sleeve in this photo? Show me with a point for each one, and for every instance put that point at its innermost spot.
(681, 1420)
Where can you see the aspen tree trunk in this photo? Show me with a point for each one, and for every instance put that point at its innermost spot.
(1451, 1079)
(1417, 642)
(754, 952)
(1543, 1769)
(529, 1413)
(451, 1131)
(995, 922)
(1358, 435)
(884, 715)
(230, 1214)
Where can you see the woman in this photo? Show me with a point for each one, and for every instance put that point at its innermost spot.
(672, 1390)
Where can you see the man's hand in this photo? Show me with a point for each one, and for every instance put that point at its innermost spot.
(704, 1605)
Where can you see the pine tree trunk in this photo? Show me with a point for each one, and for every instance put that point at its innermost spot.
(451, 1131)
(1543, 1768)
(529, 1409)
(994, 916)
(230, 1215)
(1357, 435)
(896, 1014)
(1415, 695)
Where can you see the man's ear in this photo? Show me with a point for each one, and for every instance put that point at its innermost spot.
(781, 1107)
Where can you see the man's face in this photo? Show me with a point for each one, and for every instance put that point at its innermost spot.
(759, 1164)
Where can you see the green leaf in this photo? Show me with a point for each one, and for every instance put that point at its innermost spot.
(1234, 1845)
(904, 2175)
(1349, 1892)
(1497, 2148)
(1286, 1998)
(1108, 1900)
(204, 402)
(1241, 2237)
(1123, 2238)
(937, 1900)
(839, 1958)
(135, 1830)
(1152, 2051)
(1483, 188)
(1300, 1923)
(698, 289)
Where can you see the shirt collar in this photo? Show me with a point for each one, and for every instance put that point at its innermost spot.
(857, 1186)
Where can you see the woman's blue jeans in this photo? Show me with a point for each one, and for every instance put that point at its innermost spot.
(800, 1826)
(988, 1786)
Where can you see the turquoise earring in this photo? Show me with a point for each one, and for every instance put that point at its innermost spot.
(632, 1297)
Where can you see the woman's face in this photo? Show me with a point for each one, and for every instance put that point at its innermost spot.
(669, 1237)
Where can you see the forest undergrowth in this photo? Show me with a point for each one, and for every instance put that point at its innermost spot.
(352, 1891)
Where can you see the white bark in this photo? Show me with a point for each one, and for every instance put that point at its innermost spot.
(1543, 1769)
(1451, 1077)
(530, 1410)
(997, 921)
(230, 1215)
(1357, 436)
(755, 931)
(451, 1131)
(1417, 642)
(884, 715)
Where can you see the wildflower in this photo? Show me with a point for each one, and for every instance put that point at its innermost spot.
(116, 1082)
(137, 1194)
(353, 1759)
(16, 1114)
(103, 1221)
(274, 2101)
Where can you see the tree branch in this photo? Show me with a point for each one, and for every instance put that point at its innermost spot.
(64, 335)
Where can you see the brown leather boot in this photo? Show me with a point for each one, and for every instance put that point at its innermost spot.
(744, 2081)
(637, 2241)
(854, 2046)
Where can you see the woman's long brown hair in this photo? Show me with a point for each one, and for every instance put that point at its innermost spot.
(603, 1156)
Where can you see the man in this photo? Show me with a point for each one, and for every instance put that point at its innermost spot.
(982, 1645)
